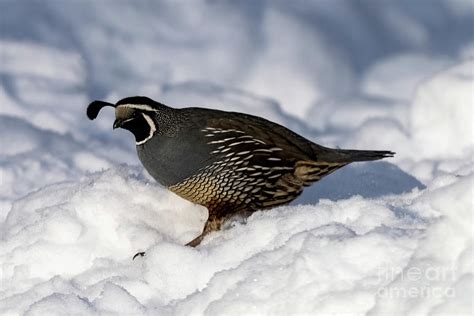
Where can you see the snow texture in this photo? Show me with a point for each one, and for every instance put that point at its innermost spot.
(381, 238)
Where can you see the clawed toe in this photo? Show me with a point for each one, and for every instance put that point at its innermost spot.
(139, 254)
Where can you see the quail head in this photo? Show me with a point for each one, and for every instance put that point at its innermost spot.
(232, 163)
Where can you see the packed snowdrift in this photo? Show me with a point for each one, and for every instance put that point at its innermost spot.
(392, 237)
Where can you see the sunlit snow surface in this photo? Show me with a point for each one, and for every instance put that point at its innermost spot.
(383, 238)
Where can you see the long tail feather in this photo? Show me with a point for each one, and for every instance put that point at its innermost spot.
(329, 160)
(364, 155)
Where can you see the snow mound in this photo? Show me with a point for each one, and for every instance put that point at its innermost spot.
(438, 125)
(398, 71)
(68, 247)
(442, 114)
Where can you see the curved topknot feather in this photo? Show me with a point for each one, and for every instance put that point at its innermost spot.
(94, 108)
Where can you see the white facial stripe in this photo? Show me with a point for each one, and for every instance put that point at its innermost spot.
(128, 120)
(152, 129)
(143, 107)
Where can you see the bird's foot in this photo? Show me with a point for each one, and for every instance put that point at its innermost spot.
(212, 224)
(139, 254)
(196, 241)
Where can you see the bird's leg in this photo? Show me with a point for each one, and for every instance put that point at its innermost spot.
(212, 224)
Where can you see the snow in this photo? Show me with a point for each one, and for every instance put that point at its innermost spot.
(382, 238)
(453, 135)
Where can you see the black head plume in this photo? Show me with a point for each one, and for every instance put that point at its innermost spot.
(94, 108)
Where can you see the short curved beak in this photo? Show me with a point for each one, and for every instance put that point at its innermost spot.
(117, 123)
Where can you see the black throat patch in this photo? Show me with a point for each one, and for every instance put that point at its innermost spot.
(142, 127)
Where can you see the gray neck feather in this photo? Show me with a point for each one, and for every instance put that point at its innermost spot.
(169, 121)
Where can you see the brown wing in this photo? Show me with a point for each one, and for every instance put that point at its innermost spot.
(295, 146)
(266, 162)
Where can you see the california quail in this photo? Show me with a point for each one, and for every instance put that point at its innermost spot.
(231, 163)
